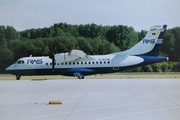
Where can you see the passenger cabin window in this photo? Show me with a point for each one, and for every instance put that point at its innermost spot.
(73, 63)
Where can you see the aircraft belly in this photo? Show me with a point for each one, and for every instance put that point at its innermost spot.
(31, 72)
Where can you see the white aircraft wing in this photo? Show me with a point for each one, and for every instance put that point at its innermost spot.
(78, 53)
(72, 55)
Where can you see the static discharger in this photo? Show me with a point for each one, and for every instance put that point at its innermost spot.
(55, 102)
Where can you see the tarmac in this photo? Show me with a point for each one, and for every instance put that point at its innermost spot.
(90, 99)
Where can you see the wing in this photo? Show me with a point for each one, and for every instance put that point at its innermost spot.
(77, 53)
(72, 55)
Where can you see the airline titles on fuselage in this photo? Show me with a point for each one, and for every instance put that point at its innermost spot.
(147, 41)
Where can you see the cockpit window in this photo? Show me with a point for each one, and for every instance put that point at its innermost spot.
(20, 62)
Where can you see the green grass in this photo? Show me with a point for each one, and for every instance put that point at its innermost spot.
(98, 76)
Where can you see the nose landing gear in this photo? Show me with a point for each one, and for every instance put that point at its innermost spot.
(18, 77)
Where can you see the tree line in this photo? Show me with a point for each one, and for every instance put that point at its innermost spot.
(91, 38)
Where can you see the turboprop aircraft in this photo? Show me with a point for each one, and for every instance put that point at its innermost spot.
(77, 63)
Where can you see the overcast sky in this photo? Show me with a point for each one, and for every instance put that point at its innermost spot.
(140, 14)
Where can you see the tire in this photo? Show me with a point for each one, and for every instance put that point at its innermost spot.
(81, 76)
(18, 77)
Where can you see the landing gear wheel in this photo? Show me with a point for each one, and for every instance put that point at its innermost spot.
(81, 76)
(18, 77)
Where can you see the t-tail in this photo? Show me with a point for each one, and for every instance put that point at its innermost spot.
(150, 45)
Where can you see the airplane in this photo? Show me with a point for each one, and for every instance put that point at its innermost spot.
(77, 63)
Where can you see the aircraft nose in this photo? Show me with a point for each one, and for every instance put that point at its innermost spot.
(7, 69)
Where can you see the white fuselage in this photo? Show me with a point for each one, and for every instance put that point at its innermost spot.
(111, 61)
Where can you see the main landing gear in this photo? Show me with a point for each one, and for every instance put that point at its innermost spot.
(18, 77)
(81, 76)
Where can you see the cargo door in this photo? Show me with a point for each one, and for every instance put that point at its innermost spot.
(116, 63)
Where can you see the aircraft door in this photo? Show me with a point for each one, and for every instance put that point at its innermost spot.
(116, 63)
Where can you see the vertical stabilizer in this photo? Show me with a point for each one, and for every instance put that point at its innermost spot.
(151, 43)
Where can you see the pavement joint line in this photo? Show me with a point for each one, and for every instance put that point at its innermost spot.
(159, 93)
(99, 108)
(74, 91)
(135, 113)
(78, 88)
(155, 108)
(81, 100)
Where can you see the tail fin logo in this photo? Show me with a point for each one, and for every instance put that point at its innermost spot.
(148, 41)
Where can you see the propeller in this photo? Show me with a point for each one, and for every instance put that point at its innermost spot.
(53, 61)
(51, 56)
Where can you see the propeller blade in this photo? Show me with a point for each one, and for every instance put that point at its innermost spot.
(52, 56)
(53, 61)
